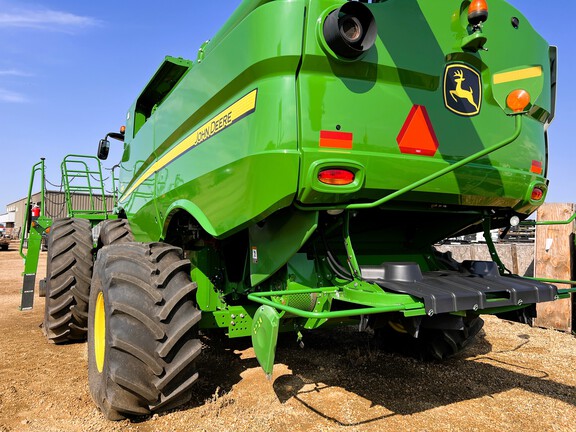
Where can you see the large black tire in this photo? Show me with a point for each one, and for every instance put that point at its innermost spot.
(431, 343)
(142, 330)
(441, 344)
(113, 231)
(68, 276)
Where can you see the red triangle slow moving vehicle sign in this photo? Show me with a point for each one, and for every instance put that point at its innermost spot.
(417, 135)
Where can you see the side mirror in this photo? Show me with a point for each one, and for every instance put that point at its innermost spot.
(103, 149)
(104, 145)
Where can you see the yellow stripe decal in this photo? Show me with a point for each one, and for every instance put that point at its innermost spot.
(226, 118)
(504, 77)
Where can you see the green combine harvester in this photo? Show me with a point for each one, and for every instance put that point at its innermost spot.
(297, 174)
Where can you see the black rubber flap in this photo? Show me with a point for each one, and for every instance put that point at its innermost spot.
(27, 301)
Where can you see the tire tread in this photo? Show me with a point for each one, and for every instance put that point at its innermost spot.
(152, 320)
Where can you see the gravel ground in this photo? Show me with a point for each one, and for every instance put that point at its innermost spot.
(513, 378)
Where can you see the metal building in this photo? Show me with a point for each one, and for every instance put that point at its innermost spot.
(55, 206)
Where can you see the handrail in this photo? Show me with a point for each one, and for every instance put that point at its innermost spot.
(115, 192)
(368, 310)
(560, 281)
(85, 173)
(39, 166)
(534, 223)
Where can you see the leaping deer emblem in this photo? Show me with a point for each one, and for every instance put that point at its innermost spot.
(460, 92)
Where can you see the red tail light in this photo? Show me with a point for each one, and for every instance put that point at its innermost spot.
(537, 194)
(338, 177)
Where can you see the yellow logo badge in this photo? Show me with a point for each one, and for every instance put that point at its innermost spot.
(462, 89)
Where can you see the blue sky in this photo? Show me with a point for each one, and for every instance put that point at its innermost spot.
(69, 70)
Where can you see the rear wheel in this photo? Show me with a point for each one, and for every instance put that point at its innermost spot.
(68, 275)
(114, 231)
(440, 344)
(437, 339)
(142, 337)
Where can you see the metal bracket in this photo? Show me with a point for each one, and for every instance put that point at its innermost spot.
(350, 255)
(492, 248)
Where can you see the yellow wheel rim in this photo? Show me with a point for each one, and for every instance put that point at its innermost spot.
(397, 326)
(100, 332)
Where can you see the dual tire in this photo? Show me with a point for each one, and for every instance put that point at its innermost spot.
(69, 273)
(135, 304)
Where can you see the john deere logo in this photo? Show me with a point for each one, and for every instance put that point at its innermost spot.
(462, 90)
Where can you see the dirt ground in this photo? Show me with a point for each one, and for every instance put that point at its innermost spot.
(514, 378)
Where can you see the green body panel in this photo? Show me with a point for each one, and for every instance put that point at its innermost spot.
(286, 233)
(269, 158)
(258, 153)
(37, 229)
(222, 156)
(372, 99)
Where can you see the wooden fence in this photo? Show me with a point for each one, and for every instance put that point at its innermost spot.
(552, 256)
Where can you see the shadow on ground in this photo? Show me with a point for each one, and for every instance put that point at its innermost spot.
(346, 361)
(402, 385)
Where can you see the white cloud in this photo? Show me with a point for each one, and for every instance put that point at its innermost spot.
(45, 19)
(14, 72)
(11, 97)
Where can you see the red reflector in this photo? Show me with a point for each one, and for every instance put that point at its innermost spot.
(536, 167)
(331, 139)
(338, 177)
(417, 135)
(537, 194)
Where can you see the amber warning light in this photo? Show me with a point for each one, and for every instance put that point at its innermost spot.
(518, 100)
(477, 12)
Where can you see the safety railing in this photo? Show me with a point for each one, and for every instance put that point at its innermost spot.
(82, 177)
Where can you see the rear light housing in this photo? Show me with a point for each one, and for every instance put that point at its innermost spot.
(331, 180)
